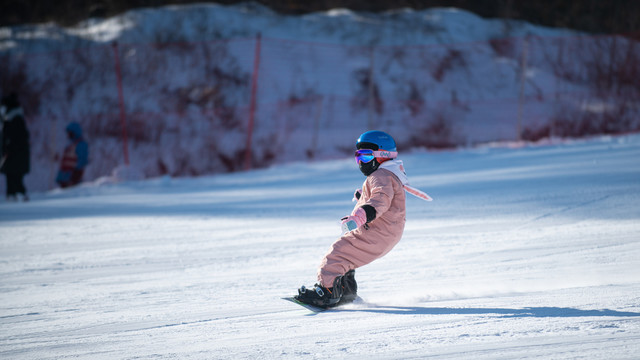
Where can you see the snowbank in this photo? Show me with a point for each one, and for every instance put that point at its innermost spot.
(437, 78)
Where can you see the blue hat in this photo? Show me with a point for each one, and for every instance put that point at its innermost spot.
(75, 129)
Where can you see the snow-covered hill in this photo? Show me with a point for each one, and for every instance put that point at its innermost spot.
(526, 252)
(433, 78)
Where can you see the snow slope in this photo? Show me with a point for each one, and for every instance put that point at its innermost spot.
(526, 252)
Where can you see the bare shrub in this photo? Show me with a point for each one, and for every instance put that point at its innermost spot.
(437, 134)
(454, 58)
(367, 92)
(503, 47)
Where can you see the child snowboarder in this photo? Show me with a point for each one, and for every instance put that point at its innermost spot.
(374, 227)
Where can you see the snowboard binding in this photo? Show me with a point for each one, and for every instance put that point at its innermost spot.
(344, 291)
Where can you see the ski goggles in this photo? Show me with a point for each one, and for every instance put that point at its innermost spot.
(366, 155)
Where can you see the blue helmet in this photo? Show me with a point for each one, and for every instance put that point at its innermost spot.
(376, 140)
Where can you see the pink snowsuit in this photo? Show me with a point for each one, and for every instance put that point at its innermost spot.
(384, 191)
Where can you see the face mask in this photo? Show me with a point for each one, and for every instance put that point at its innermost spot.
(368, 168)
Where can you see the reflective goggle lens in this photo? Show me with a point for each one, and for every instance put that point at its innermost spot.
(364, 155)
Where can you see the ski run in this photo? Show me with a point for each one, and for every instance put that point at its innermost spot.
(527, 251)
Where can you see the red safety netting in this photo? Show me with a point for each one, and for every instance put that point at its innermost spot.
(225, 105)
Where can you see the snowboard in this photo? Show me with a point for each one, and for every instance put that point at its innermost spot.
(315, 309)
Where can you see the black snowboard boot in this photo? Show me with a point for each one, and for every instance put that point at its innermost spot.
(349, 287)
(321, 296)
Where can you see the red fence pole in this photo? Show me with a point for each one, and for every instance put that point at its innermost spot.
(121, 103)
(252, 104)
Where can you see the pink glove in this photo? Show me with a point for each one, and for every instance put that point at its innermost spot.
(357, 218)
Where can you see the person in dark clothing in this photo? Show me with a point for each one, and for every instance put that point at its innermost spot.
(15, 147)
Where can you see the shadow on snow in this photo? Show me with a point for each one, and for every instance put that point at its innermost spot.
(540, 312)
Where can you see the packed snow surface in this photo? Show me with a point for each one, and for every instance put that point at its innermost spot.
(527, 251)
